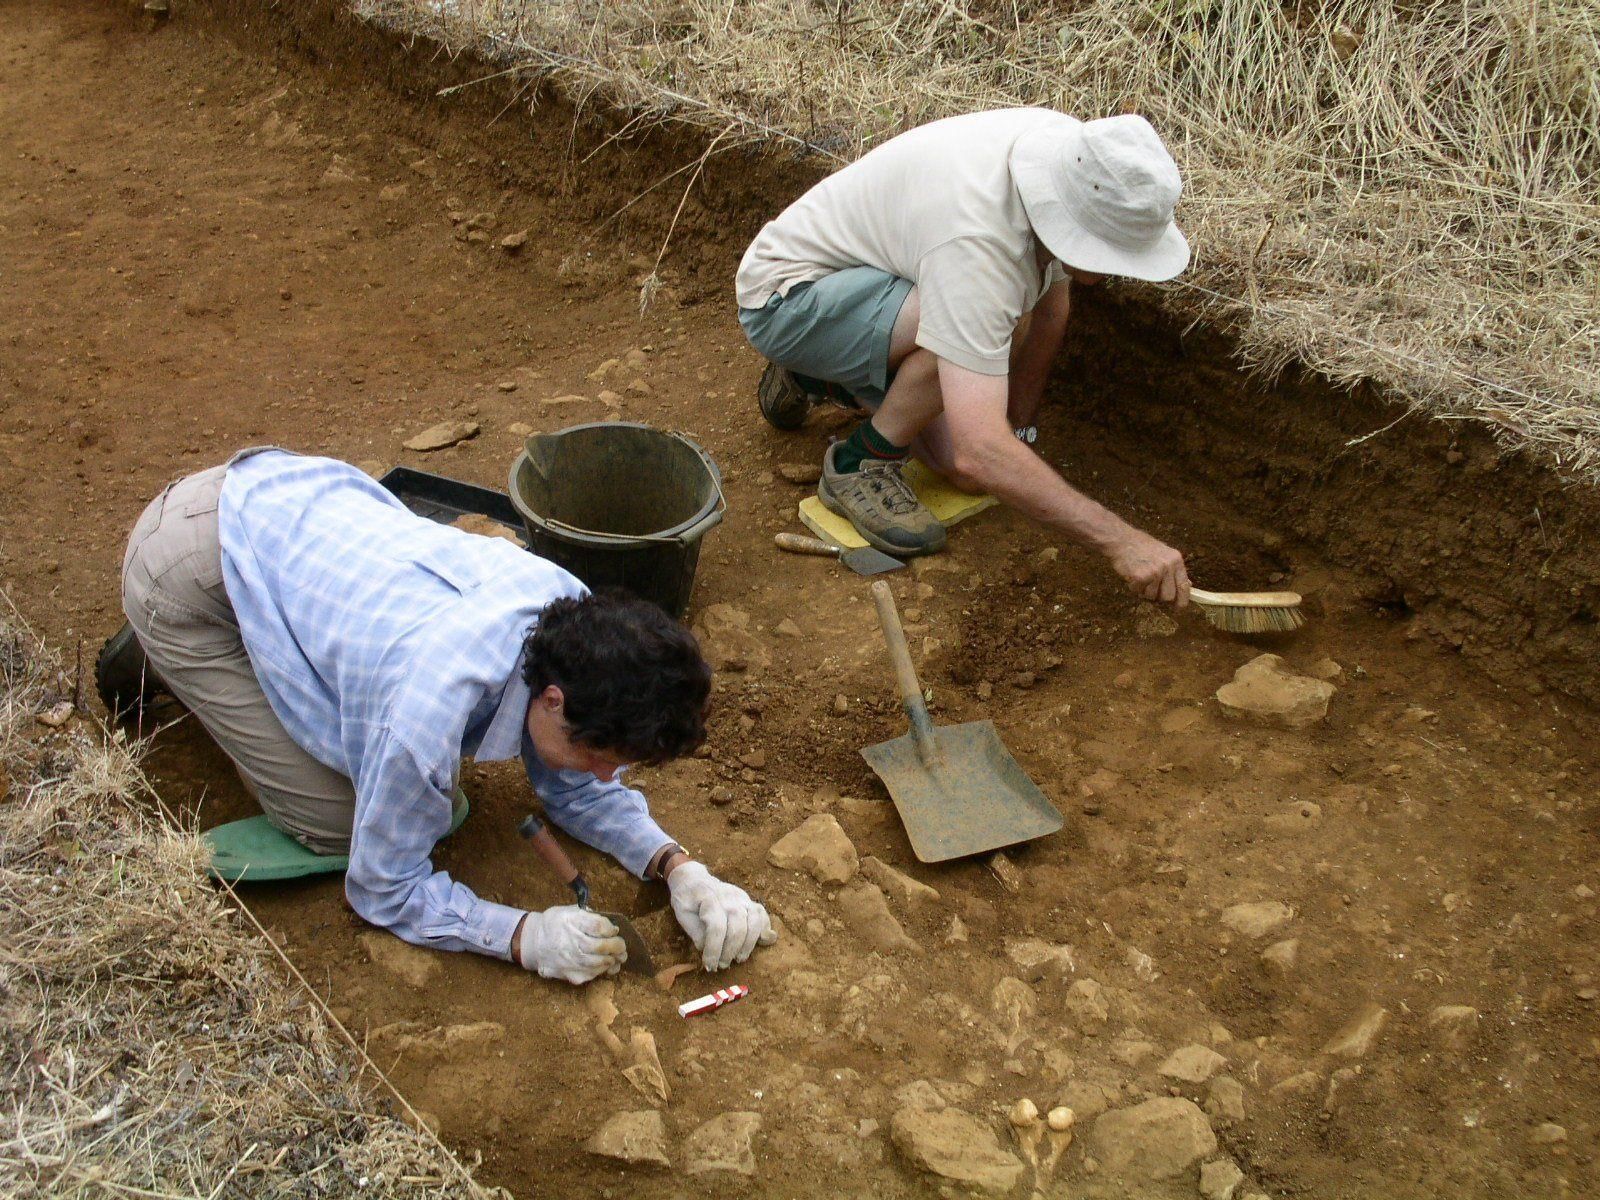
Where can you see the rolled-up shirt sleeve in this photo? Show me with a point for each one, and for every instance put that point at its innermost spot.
(402, 810)
(612, 817)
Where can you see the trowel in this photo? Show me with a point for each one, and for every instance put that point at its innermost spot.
(863, 560)
(544, 842)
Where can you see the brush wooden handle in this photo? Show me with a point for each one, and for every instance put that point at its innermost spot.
(1246, 599)
(905, 674)
(798, 543)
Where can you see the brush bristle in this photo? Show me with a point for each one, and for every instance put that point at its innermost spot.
(1235, 618)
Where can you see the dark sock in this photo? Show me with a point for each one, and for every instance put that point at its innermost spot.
(865, 443)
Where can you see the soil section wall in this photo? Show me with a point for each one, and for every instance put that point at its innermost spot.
(1489, 553)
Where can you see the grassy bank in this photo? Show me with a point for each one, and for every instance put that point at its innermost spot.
(1396, 191)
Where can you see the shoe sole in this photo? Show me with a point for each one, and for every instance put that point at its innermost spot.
(873, 540)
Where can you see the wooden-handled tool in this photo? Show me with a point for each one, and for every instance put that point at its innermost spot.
(546, 847)
(1250, 612)
(863, 560)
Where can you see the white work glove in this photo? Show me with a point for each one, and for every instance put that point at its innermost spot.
(570, 943)
(724, 923)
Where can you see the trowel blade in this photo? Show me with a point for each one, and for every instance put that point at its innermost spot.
(639, 959)
(865, 560)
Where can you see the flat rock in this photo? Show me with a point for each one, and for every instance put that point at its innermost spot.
(445, 433)
(818, 846)
(1281, 957)
(803, 473)
(1359, 1034)
(1225, 1100)
(1193, 1063)
(957, 1146)
(724, 1143)
(906, 890)
(1159, 1139)
(1219, 1180)
(1258, 918)
(1265, 690)
(635, 1137)
(867, 913)
(410, 964)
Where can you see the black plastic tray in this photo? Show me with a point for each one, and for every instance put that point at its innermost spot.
(444, 500)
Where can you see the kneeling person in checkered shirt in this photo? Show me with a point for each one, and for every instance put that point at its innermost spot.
(347, 654)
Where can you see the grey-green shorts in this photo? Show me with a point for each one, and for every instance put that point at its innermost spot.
(835, 329)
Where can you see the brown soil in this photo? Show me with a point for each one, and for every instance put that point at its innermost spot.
(233, 231)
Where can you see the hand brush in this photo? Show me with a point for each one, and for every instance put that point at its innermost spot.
(1250, 612)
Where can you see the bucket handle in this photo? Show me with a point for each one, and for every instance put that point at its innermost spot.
(698, 529)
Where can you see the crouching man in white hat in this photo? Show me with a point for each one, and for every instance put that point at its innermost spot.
(930, 283)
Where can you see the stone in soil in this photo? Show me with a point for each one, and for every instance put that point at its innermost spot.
(1192, 1064)
(1280, 957)
(957, 1146)
(1265, 690)
(1159, 1139)
(634, 1137)
(723, 1144)
(905, 890)
(512, 242)
(1085, 1004)
(802, 473)
(445, 433)
(867, 913)
(1257, 919)
(1360, 1033)
(818, 846)
(1225, 1100)
(1300, 816)
(1453, 1025)
(1548, 1134)
(1038, 959)
(411, 964)
(1219, 1180)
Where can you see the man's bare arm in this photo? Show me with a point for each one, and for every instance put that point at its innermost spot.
(1030, 367)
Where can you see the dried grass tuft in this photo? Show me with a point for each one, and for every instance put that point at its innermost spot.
(149, 1044)
(1402, 191)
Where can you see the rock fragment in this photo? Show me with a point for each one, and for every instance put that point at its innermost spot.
(410, 964)
(513, 242)
(957, 1146)
(1548, 1133)
(1453, 1025)
(1220, 1179)
(802, 473)
(1193, 1063)
(866, 912)
(1359, 1034)
(634, 1137)
(1159, 1139)
(818, 846)
(724, 1143)
(1257, 919)
(1086, 1005)
(1281, 957)
(445, 433)
(1225, 1100)
(1265, 690)
(906, 890)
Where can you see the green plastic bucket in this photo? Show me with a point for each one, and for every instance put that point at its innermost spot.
(619, 504)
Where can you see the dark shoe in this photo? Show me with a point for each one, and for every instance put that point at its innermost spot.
(881, 505)
(784, 402)
(123, 677)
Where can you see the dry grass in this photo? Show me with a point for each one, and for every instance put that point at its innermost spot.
(1402, 191)
(150, 1046)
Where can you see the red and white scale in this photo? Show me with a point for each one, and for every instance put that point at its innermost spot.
(704, 1004)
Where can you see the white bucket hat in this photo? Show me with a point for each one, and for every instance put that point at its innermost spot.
(1100, 195)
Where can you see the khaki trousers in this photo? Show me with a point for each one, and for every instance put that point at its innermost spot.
(174, 598)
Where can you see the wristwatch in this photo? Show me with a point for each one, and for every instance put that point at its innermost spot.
(653, 870)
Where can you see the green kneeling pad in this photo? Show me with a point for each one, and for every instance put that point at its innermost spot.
(256, 851)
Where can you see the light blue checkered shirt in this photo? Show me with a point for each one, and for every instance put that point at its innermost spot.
(389, 646)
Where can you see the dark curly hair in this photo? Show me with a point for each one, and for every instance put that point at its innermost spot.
(633, 678)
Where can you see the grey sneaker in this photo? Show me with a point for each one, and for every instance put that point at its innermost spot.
(881, 505)
(784, 402)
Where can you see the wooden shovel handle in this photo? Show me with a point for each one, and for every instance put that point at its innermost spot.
(798, 543)
(900, 654)
(547, 848)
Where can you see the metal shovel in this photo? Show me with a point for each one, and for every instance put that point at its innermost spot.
(545, 845)
(863, 560)
(958, 790)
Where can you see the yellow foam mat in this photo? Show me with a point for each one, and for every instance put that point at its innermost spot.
(942, 499)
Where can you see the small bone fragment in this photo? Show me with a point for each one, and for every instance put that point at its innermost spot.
(1029, 1130)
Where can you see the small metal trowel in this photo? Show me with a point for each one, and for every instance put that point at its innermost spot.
(863, 560)
(544, 842)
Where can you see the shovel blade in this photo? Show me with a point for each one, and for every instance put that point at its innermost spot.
(639, 960)
(866, 560)
(969, 797)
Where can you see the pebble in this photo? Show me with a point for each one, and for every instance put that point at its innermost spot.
(1159, 1139)
(906, 890)
(603, 371)
(1296, 817)
(1006, 872)
(723, 1144)
(1193, 1063)
(957, 932)
(639, 387)
(519, 429)
(1548, 1133)
(1325, 668)
(513, 242)
(865, 910)
(841, 705)
(957, 1146)
(635, 1137)
(1282, 956)
(755, 759)
(1220, 1179)
(722, 795)
(1360, 1033)
(802, 473)
(818, 846)
(507, 385)
(1257, 919)
(1265, 690)
(446, 433)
